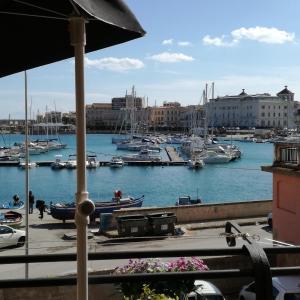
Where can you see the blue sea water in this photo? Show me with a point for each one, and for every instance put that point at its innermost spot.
(240, 180)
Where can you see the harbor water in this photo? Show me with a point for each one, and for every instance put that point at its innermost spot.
(240, 180)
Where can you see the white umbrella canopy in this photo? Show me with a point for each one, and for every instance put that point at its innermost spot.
(39, 32)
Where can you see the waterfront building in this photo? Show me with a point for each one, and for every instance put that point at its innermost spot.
(69, 118)
(167, 116)
(286, 191)
(127, 102)
(53, 117)
(258, 110)
(102, 116)
(193, 118)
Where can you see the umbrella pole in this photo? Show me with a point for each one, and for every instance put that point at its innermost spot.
(77, 31)
(26, 177)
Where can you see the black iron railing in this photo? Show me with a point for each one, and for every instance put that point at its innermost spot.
(261, 270)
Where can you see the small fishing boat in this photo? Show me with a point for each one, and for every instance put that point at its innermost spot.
(186, 200)
(11, 218)
(66, 211)
(12, 205)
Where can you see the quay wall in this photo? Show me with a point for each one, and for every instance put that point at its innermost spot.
(206, 212)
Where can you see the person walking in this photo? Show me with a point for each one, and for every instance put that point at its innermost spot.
(41, 208)
(31, 201)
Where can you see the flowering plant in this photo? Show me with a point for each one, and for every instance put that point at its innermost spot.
(171, 288)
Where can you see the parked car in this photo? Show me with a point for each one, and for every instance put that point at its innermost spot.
(11, 237)
(204, 290)
(284, 288)
(270, 219)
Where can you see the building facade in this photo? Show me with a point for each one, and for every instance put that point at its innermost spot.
(259, 110)
(102, 116)
(128, 102)
(286, 191)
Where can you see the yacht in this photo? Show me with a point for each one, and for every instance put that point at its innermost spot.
(212, 157)
(143, 155)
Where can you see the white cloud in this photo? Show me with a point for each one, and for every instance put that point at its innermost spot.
(218, 41)
(267, 35)
(115, 64)
(263, 34)
(167, 42)
(184, 44)
(168, 57)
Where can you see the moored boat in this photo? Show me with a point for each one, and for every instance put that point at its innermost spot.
(186, 200)
(116, 162)
(91, 162)
(11, 218)
(12, 205)
(71, 162)
(58, 163)
(143, 155)
(66, 211)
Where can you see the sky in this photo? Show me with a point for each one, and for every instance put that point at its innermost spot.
(237, 44)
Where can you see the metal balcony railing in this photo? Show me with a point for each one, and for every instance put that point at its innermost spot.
(260, 271)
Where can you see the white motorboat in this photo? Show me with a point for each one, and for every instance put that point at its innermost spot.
(195, 163)
(212, 157)
(58, 163)
(72, 162)
(116, 162)
(30, 165)
(143, 155)
(91, 162)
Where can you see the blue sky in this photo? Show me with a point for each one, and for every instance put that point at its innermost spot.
(237, 44)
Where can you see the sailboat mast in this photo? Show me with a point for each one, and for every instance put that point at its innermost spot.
(205, 109)
(213, 97)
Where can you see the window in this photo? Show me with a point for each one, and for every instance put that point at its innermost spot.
(263, 107)
(262, 114)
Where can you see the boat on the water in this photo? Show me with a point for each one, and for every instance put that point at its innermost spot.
(31, 165)
(91, 162)
(116, 162)
(12, 205)
(71, 162)
(66, 211)
(195, 163)
(11, 218)
(186, 200)
(58, 163)
(143, 155)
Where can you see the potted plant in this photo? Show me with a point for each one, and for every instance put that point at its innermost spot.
(171, 289)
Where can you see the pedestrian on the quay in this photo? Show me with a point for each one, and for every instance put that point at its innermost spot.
(40, 205)
(31, 201)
